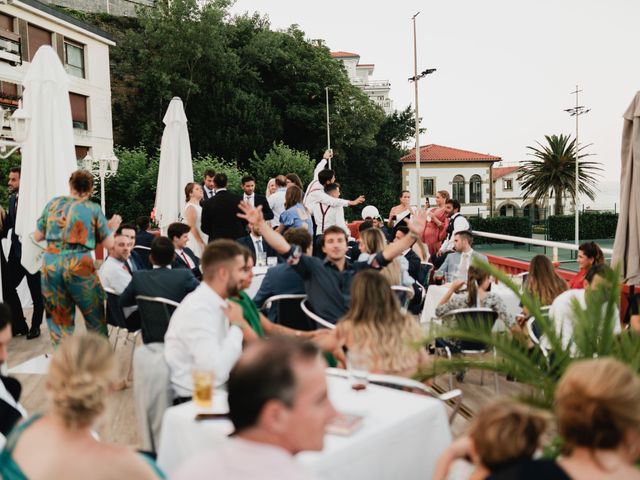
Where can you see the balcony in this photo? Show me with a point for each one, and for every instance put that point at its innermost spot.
(10, 50)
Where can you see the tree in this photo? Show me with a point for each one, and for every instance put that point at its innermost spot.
(554, 170)
(281, 160)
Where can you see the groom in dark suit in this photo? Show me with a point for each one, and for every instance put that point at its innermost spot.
(178, 233)
(250, 196)
(11, 412)
(220, 213)
(16, 272)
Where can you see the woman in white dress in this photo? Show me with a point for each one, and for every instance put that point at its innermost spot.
(192, 215)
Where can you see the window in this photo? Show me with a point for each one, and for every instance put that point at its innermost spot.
(81, 152)
(428, 187)
(457, 188)
(37, 38)
(6, 22)
(507, 184)
(475, 189)
(10, 51)
(79, 111)
(9, 95)
(74, 59)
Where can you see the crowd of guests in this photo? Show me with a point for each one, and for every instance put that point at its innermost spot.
(205, 265)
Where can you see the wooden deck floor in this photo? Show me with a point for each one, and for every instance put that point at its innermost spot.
(119, 423)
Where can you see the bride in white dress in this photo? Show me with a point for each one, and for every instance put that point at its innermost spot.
(192, 215)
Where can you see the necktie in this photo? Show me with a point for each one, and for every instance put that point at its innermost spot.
(127, 267)
(185, 259)
(259, 246)
(249, 200)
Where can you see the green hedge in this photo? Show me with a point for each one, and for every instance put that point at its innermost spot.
(516, 226)
(592, 226)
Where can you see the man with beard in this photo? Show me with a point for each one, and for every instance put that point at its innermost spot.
(206, 331)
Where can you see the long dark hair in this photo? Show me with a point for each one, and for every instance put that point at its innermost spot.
(187, 190)
(293, 196)
(592, 250)
(475, 278)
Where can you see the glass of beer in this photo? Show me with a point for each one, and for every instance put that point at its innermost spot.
(358, 364)
(202, 387)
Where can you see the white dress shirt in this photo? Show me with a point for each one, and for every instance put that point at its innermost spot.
(199, 335)
(276, 203)
(114, 275)
(315, 191)
(240, 459)
(258, 243)
(250, 199)
(326, 216)
(460, 224)
(208, 193)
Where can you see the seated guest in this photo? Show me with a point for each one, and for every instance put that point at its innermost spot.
(206, 330)
(354, 246)
(457, 263)
(503, 433)
(478, 295)
(543, 282)
(295, 214)
(261, 326)
(372, 241)
(598, 419)
(278, 405)
(589, 254)
(178, 233)
(143, 237)
(282, 279)
(328, 283)
(78, 384)
(11, 412)
(562, 309)
(136, 261)
(162, 281)
(415, 255)
(375, 326)
(255, 243)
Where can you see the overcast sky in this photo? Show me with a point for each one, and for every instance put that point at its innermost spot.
(505, 67)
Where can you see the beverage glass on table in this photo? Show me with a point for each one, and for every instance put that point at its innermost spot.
(261, 259)
(272, 261)
(202, 387)
(438, 278)
(358, 367)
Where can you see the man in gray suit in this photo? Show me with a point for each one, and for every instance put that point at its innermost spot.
(457, 263)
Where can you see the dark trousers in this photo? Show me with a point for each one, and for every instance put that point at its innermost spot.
(15, 273)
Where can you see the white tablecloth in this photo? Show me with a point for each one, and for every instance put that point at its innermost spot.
(401, 438)
(436, 292)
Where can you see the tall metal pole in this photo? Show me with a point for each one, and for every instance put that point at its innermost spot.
(577, 187)
(415, 85)
(326, 90)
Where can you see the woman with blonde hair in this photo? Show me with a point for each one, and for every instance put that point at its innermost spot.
(61, 444)
(436, 229)
(371, 242)
(543, 282)
(271, 187)
(376, 327)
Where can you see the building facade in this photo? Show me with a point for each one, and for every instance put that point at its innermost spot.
(360, 75)
(25, 26)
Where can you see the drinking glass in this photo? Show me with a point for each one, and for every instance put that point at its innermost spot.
(261, 259)
(272, 261)
(438, 278)
(358, 364)
(202, 387)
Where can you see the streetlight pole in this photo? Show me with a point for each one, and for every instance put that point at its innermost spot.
(576, 112)
(415, 85)
(326, 90)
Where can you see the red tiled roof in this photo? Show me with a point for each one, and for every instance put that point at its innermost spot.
(344, 54)
(438, 153)
(500, 172)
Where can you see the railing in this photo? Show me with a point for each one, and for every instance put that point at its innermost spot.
(540, 243)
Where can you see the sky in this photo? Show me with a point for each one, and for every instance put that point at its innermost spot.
(505, 68)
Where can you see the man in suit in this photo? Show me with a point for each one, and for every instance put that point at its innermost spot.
(457, 264)
(16, 272)
(135, 260)
(409, 254)
(161, 281)
(178, 233)
(255, 243)
(208, 187)
(220, 213)
(143, 237)
(11, 412)
(282, 279)
(250, 196)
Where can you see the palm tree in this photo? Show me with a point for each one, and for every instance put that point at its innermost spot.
(554, 170)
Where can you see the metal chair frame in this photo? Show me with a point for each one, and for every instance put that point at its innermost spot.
(319, 320)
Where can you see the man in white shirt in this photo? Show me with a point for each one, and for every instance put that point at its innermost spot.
(562, 313)
(206, 331)
(457, 223)
(276, 200)
(11, 412)
(279, 406)
(457, 264)
(326, 216)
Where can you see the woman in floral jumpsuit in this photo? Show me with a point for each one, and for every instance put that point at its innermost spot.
(72, 226)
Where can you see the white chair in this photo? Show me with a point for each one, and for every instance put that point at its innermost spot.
(535, 336)
(115, 318)
(319, 320)
(405, 294)
(289, 312)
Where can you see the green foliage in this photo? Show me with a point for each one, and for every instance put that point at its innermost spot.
(219, 165)
(516, 226)
(592, 337)
(593, 225)
(553, 171)
(281, 160)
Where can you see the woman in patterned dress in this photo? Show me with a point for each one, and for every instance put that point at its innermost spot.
(72, 226)
(437, 222)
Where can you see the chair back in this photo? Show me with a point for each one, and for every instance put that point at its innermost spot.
(143, 253)
(155, 313)
(481, 319)
(115, 315)
(425, 272)
(316, 318)
(404, 294)
(288, 311)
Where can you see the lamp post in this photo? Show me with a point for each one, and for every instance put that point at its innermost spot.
(103, 167)
(576, 112)
(416, 77)
(326, 90)
(19, 123)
